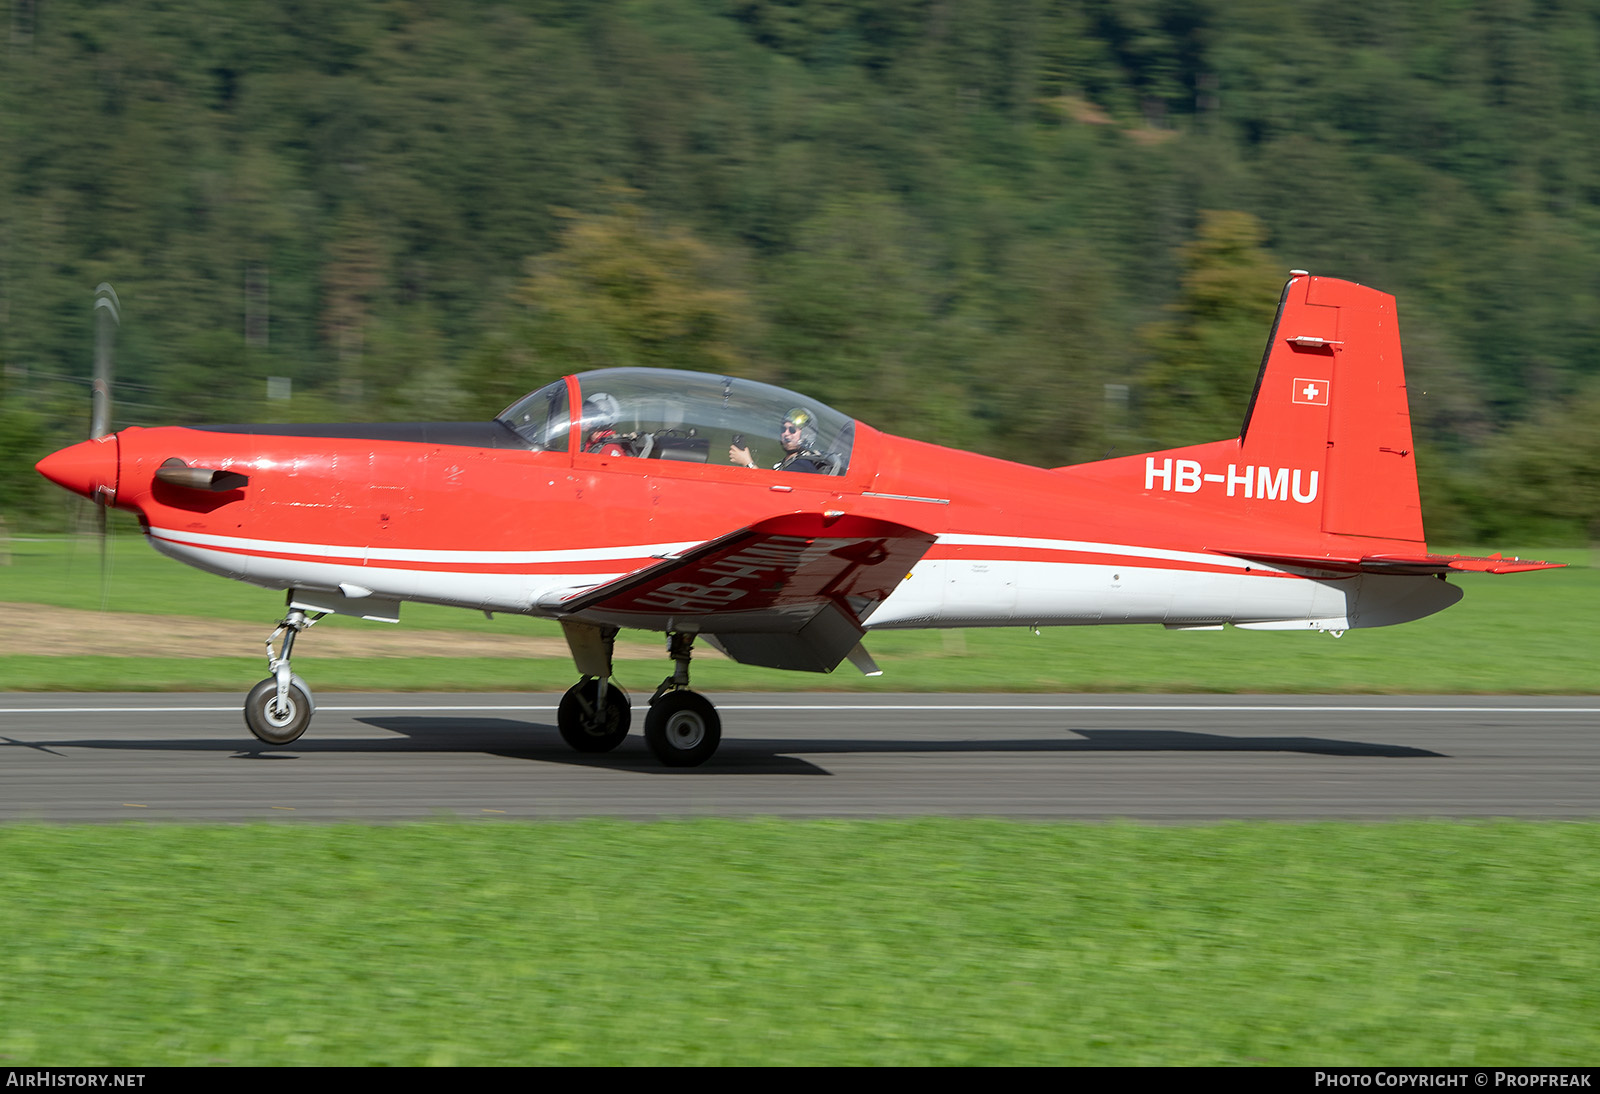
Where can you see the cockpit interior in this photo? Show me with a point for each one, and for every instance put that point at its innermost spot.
(666, 414)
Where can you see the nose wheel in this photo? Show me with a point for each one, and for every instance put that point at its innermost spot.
(279, 709)
(274, 720)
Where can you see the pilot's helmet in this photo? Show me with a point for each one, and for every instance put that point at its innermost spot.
(600, 412)
(802, 418)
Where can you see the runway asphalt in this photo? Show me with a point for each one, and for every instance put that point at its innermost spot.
(188, 757)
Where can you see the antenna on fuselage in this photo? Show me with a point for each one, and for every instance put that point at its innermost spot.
(108, 318)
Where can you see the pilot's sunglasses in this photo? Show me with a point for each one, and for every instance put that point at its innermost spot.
(787, 428)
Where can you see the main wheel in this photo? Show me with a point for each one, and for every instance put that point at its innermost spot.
(682, 729)
(274, 723)
(590, 728)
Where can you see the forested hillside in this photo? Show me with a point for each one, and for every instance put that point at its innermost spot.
(1047, 229)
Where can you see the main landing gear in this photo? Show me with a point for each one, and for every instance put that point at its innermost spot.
(279, 709)
(682, 727)
(594, 715)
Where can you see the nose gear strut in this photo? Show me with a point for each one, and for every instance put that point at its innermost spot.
(279, 708)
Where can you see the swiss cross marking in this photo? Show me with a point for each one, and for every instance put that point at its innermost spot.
(1310, 391)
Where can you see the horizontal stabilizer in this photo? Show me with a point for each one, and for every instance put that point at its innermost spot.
(1407, 565)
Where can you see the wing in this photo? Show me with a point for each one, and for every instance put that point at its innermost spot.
(787, 592)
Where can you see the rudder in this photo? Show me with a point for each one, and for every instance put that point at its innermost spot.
(1331, 397)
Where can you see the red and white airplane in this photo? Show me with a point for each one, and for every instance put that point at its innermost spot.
(632, 498)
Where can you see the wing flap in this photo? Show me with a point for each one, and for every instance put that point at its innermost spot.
(819, 646)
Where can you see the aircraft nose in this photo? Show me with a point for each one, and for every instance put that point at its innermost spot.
(87, 468)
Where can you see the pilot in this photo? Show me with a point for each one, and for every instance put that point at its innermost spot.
(600, 412)
(798, 436)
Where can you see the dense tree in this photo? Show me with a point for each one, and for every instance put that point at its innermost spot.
(620, 291)
(953, 219)
(1542, 476)
(1197, 383)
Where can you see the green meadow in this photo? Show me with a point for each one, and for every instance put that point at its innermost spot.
(713, 941)
(1516, 633)
(740, 942)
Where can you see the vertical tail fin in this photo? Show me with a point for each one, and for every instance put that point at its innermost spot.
(1331, 399)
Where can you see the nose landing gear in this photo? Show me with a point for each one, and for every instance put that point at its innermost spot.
(279, 709)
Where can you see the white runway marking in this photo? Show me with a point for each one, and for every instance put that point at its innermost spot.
(1165, 758)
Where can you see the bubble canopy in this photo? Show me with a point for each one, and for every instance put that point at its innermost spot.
(667, 414)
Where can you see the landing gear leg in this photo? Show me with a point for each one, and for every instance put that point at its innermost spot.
(594, 713)
(682, 728)
(279, 709)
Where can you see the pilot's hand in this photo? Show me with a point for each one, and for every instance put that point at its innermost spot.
(740, 456)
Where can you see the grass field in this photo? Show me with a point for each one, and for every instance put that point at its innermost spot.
(1530, 633)
(726, 942)
(765, 942)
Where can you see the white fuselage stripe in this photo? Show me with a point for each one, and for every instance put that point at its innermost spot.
(267, 547)
(402, 555)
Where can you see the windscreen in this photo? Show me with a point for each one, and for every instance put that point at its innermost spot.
(541, 419)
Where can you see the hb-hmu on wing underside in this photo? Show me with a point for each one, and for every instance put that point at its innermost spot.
(786, 592)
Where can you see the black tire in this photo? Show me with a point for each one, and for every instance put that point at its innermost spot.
(683, 729)
(589, 730)
(274, 726)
